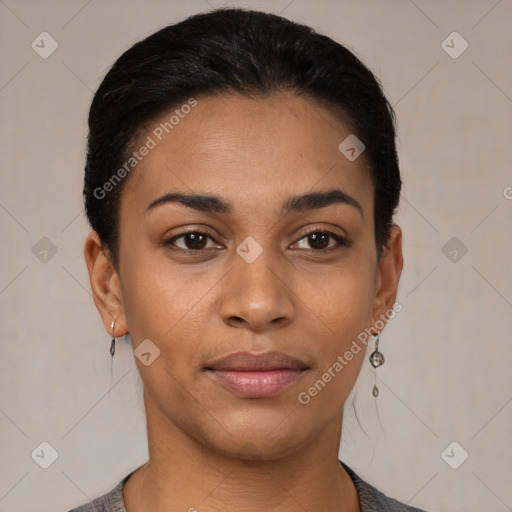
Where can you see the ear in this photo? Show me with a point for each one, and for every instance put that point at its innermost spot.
(105, 285)
(388, 274)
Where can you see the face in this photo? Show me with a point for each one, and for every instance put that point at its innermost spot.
(257, 268)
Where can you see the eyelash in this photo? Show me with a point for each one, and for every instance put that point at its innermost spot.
(342, 242)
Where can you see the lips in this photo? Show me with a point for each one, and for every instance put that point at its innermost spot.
(266, 361)
(251, 375)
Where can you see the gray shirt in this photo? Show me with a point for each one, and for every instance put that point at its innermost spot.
(371, 499)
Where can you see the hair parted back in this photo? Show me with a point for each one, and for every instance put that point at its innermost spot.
(237, 51)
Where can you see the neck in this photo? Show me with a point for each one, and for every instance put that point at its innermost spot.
(187, 475)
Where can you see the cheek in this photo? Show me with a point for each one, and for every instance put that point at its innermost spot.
(339, 349)
(342, 299)
(342, 305)
(160, 304)
(175, 309)
(164, 305)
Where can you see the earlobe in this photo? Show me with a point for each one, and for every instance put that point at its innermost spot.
(389, 271)
(105, 285)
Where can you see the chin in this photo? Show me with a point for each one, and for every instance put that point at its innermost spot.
(253, 438)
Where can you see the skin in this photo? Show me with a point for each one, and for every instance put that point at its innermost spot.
(209, 449)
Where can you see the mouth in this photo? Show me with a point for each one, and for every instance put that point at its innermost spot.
(256, 375)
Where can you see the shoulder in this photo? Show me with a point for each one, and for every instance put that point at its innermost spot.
(372, 500)
(112, 501)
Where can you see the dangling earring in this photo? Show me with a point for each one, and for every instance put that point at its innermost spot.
(113, 343)
(376, 360)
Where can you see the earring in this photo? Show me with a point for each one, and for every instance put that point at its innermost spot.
(376, 360)
(113, 343)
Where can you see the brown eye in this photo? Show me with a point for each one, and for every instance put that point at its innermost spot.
(319, 240)
(193, 240)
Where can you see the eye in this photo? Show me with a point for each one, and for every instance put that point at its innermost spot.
(194, 241)
(319, 239)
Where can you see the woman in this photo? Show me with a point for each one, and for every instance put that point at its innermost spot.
(241, 182)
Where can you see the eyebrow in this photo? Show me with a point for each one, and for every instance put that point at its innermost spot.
(214, 204)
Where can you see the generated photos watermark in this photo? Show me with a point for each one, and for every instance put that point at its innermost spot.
(157, 135)
(304, 397)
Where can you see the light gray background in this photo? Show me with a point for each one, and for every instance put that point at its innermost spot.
(448, 353)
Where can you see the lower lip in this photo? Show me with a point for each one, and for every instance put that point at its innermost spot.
(257, 384)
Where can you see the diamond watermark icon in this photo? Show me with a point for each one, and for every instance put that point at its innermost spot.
(454, 249)
(454, 455)
(44, 45)
(44, 250)
(454, 45)
(351, 147)
(146, 352)
(249, 249)
(44, 455)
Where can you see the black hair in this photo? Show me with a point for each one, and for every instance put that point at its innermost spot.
(232, 51)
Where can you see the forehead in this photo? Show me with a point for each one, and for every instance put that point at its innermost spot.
(250, 151)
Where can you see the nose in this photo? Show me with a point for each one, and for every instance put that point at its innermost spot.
(257, 295)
